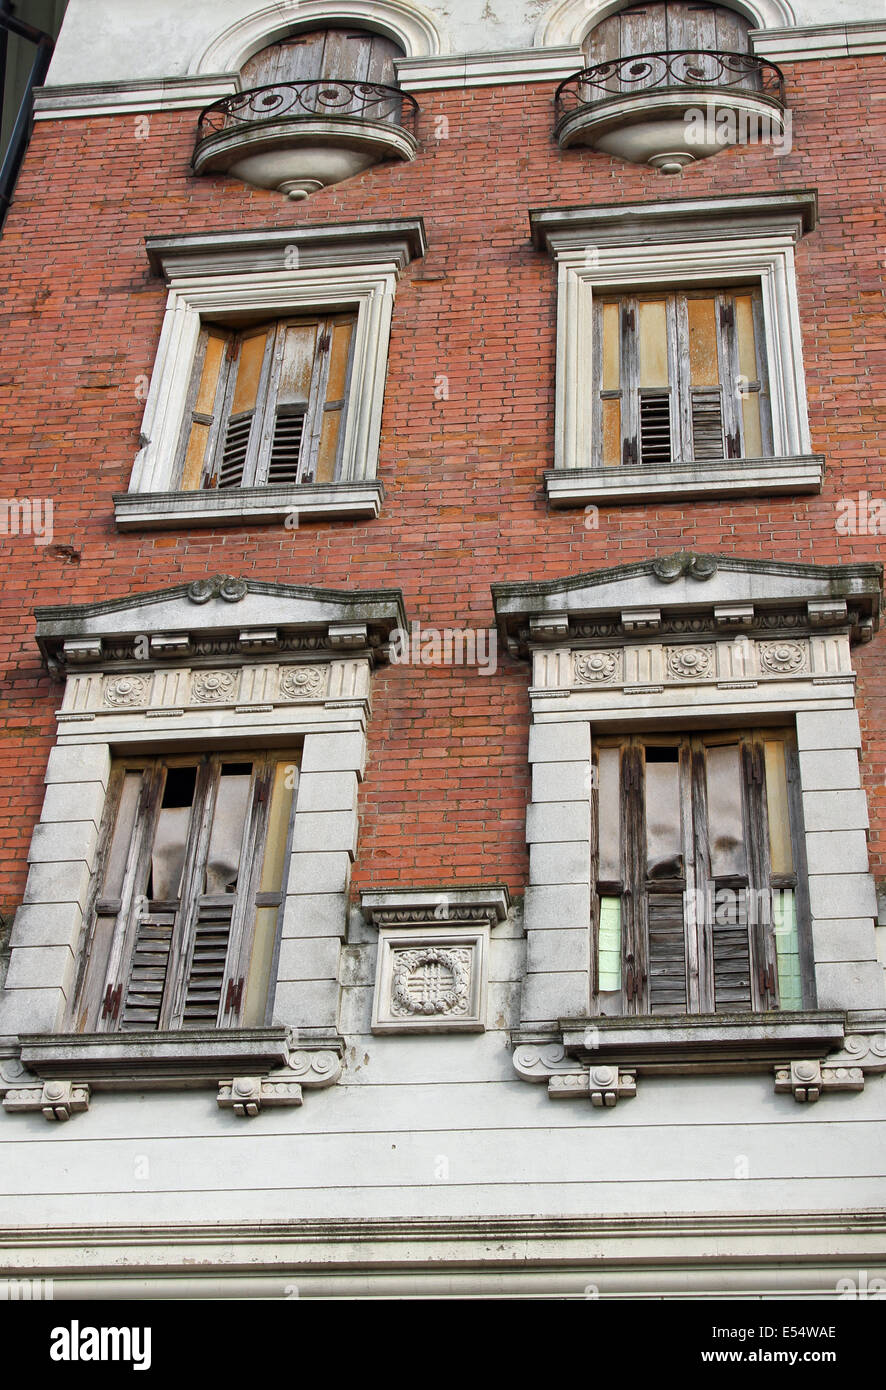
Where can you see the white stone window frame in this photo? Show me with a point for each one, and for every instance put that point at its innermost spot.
(691, 243)
(324, 722)
(235, 277)
(843, 1035)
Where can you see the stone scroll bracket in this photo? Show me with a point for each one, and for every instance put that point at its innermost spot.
(281, 1068)
(583, 1064)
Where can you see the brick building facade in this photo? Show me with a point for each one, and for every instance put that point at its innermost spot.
(491, 529)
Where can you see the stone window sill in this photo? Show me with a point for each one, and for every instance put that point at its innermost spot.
(573, 487)
(154, 511)
(693, 1042)
(600, 1058)
(251, 1068)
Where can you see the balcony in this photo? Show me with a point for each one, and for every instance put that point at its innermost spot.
(298, 137)
(672, 108)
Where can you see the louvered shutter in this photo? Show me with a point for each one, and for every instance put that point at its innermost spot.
(145, 987)
(655, 431)
(185, 847)
(295, 364)
(206, 972)
(236, 455)
(731, 951)
(666, 960)
(707, 425)
(121, 858)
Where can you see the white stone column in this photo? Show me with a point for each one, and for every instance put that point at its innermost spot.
(315, 912)
(842, 897)
(47, 926)
(558, 899)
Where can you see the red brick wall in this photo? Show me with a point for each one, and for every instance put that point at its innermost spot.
(447, 779)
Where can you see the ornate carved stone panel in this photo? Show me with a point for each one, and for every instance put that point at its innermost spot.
(431, 979)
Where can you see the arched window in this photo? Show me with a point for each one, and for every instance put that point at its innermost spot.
(670, 27)
(353, 55)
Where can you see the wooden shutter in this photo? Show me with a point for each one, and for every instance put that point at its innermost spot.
(296, 58)
(665, 877)
(336, 54)
(294, 368)
(334, 384)
(705, 894)
(236, 461)
(111, 905)
(655, 27)
(308, 393)
(183, 847)
(666, 953)
(145, 989)
(205, 404)
(679, 377)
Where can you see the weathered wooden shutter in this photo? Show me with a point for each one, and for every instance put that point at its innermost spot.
(331, 55)
(308, 391)
(185, 849)
(294, 366)
(145, 988)
(206, 975)
(731, 952)
(655, 430)
(205, 407)
(666, 966)
(665, 792)
(116, 883)
(707, 425)
(236, 464)
(334, 385)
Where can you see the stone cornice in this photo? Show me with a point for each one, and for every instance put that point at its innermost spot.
(687, 594)
(562, 229)
(142, 95)
(312, 246)
(809, 42)
(403, 907)
(488, 69)
(642, 1255)
(220, 616)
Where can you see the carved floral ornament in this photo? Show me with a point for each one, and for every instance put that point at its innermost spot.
(783, 658)
(303, 682)
(690, 663)
(593, 668)
(213, 687)
(127, 690)
(431, 980)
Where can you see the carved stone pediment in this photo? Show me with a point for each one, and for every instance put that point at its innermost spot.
(690, 593)
(222, 615)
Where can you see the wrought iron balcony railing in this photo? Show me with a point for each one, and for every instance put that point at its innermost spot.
(655, 72)
(308, 101)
